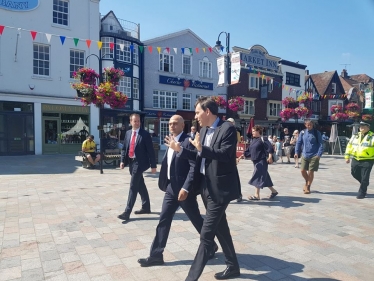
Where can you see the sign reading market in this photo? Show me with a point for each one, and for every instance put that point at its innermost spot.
(185, 83)
(19, 5)
(257, 56)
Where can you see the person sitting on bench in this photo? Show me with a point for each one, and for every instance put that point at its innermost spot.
(89, 148)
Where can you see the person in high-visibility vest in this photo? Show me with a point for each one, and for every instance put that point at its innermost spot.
(361, 148)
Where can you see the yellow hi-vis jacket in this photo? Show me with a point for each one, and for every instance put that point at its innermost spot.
(360, 150)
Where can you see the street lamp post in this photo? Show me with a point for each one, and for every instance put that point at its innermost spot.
(219, 47)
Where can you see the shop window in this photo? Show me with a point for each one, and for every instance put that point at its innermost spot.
(74, 128)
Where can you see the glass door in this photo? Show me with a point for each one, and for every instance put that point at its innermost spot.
(51, 140)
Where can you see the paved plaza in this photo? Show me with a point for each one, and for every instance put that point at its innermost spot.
(58, 221)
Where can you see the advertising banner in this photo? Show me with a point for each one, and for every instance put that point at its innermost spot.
(235, 67)
(221, 71)
(368, 100)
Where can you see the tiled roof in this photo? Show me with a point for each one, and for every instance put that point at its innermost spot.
(347, 83)
(361, 78)
(322, 81)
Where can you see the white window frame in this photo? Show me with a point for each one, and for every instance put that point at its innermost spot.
(124, 86)
(165, 99)
(135, 88)
(105, 48)
(333, 88)
(205, 68)
(76, 60)
(42, 60)
(253, 82)
(59, 13)
(332, 102)
(277, 104)
(249, 107)
(186, 101)
(166, 59)
(135, 55)
(185, 68)
(125, 55)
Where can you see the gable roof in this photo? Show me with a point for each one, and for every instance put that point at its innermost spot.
(347, 83)
(361, 78)
(322, 80)
(115, 17)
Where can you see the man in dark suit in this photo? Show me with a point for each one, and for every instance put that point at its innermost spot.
(176, 179)
(138, 153)
(217, 175)
(193, 132)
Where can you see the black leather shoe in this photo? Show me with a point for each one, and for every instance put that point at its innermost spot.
(142, 211)
(240, 199)
(150, 261)
(361, 196)
(211, 255)
(228, 273)
(124, 216)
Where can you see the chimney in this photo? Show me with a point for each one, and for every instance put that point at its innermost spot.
(344, 73)
(306, 71)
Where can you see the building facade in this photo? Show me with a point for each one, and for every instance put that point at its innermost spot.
(39, 112)
(179, 68)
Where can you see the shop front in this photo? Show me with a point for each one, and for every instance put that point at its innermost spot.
(64, 128)
(157, 124)
(16, 128)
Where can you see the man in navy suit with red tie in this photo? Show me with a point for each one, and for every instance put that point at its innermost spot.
(176, 178)
(138, 153)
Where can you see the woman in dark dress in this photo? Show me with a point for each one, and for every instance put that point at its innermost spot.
(260, 151)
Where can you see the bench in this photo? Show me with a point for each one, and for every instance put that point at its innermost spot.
(111, 156)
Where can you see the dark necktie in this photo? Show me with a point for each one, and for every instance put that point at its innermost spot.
(132, 145)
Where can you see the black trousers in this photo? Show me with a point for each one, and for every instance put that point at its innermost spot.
(360, 170)
(137, 185)
(215, 224)
(170, 205)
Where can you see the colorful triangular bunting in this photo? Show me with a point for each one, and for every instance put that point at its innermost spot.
(141, 48)
(159, 50)
(88, 42)
(111, 45)
(150, 49)
(62, 38)
(33, 34)
(175, 50)
(76, 40)
(99, 44)
(1, 29)
(49, 36)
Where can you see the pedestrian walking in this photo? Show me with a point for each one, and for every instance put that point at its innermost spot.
(310, 145)
(286, 145)
(138, 153)
(260, 151)
(361, 148)
(293, 141)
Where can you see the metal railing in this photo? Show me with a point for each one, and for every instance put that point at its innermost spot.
(126, 28)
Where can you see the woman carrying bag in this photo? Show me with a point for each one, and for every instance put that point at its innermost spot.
(260, 151)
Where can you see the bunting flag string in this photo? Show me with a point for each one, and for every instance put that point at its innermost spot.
(1, 29)
(88, 42)
(33, 34)
(76, 40)
(48, 36)
(62, 38)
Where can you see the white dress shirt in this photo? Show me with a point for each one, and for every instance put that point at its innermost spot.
(207, 141)
(170, 154)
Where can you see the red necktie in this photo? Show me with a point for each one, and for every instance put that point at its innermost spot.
(132, 145)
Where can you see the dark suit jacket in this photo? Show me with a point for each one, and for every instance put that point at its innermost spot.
(181, 170)
(144, 151)
(221, 173)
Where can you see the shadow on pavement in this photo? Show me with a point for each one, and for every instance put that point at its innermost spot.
(282, 201)
(350, 193)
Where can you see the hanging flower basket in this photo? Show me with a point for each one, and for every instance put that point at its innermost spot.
(236, 104)
(288, 100)
(302, 111)
(113, 75)
(367, 117)
(336, 108)
(107, 93)
(304, 98)
(84, 90)
(220, 101)
(352, 114)
(86, 75)
(287, 114)
(339, 116)
(353, 107)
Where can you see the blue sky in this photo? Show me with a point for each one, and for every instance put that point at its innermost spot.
(323, 34)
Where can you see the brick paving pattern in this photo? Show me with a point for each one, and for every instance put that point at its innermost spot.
(58, 221)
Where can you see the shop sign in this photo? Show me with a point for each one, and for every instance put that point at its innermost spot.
(257, 57)
(186, 83)
(368, 100)
(158, 114)
(19, 5)
(65, 108)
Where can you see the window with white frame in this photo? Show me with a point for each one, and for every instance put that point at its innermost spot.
(61, 12)
(106, 52)
(249, 107)
(165, 99)
(123, 51)
(187, 62)
(135, 88)
(41, 59)
(76, 61)
(253, 82)
(333, 88)
(135, 54)
(186, 102)
(166, 62)
(332, 102)
(164, 130)
(205, 68)
(316, 106)
(124, 86)
(274, 108)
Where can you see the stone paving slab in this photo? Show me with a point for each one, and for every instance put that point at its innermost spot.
(58, 221)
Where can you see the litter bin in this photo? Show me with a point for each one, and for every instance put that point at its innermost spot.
(156, 148)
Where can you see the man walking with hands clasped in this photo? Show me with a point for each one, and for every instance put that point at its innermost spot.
(217, 177)
(139, 154)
